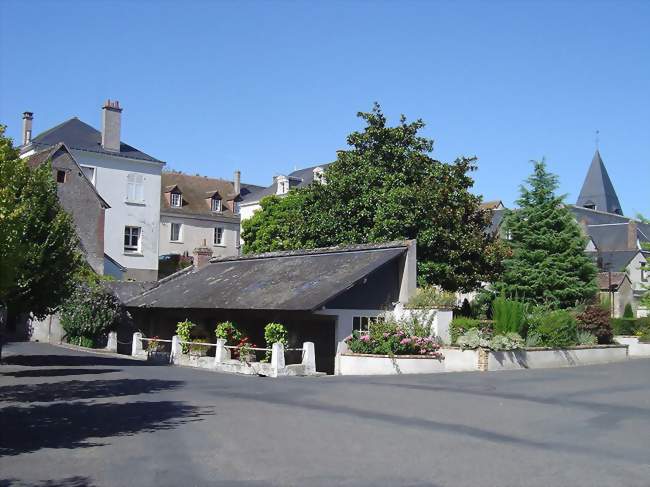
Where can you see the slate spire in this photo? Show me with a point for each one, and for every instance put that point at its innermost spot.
(598, 191)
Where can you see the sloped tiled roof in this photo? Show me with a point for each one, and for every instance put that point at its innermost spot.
(598, 189)
(78, 135)
(195, 191)
(616, 261)
(301, 280)
(617, 279)
(298, 179)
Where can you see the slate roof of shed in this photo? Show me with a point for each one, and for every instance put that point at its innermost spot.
(617, 261)
(78, 135)
(298, 179)
(617, 280)
(598, 189)
(293, 281)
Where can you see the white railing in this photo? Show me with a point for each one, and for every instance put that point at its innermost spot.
(222, 353)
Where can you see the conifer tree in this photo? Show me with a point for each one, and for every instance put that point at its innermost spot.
(548, 264)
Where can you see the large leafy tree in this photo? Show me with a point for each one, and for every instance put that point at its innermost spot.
(38, 243)
(388, 187)
(548, 264)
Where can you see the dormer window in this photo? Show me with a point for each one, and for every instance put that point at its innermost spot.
(215, 204)
(176, 200)
(283, 185)
(319, 175)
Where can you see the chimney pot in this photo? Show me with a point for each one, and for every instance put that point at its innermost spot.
(111, 125)
(202, 256)
(631, 235)
(28, 117)
(237, 182)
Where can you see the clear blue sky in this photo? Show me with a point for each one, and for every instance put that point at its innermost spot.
(268, 86)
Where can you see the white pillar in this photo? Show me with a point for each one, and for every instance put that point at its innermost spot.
(176, 349)
(277, 357)
(309, 357)
(222, 353)
(441, 323)
(136, 344)
(111, 346)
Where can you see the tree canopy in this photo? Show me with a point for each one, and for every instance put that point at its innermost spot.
(38, 241)
(548, 264)
(388, 187)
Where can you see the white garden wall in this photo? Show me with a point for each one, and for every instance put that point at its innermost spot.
(635, 348)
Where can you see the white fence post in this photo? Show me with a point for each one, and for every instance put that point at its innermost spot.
(277, 357)
(136, 344)
(222, 353)
(309, 357)
(111, 345)
(176, 349)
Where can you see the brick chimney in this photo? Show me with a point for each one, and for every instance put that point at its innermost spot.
(631, 235)
(202, 256)
(111, 125)
(28, 117)
(237, 182)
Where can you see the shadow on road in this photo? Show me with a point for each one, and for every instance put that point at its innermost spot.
(67, 482)
(82, 389)
(69, 361)
(70, 425)
(57, 373)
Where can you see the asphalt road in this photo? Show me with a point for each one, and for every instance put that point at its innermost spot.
(77, 419)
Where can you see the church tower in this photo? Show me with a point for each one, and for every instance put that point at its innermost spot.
(597, 191)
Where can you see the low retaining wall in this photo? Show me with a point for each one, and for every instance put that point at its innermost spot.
(635, 348)
(457, 360)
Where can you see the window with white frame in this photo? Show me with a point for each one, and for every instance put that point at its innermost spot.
(132, 239)
(362, 323)
(216, 204)
(135, 188)
(175, 234)
(89, 172)
(176, 199)
(235, 207)
(218, 236)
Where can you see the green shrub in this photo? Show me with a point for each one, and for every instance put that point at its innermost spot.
(473, 338)
(459, 325)
(82, 342)
(508, 316)
(184, 332)
(595, 320)
(90, 313)
(624, 326)
(533, 340)
(431, 297)
(509, 341)
(228, 331)
(274, 333)
(586, 338)
(556, 329)
(644, 337)
(393, 338)
(628, 312)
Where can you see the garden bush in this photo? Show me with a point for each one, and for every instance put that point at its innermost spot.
(628, 312)
(184, 332)
(200, 350)
(475, 338)
(459, 325)
(432, 297)
(595, 320)
(228, 331)
(89, 314)
(508, 341)
(274, 333)
(393, 338)
(508, 316)
(556, 329)
(586, 338)
(624, 326)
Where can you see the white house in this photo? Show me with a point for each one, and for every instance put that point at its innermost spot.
(127, 179)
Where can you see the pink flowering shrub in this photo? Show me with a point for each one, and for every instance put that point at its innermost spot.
(393, 340)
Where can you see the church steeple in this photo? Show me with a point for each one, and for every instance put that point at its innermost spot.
(597, 191)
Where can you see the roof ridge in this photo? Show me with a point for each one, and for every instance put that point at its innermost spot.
(320, 250)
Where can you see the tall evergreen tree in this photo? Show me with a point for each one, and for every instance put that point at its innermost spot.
(387, 187)
(548, 264)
